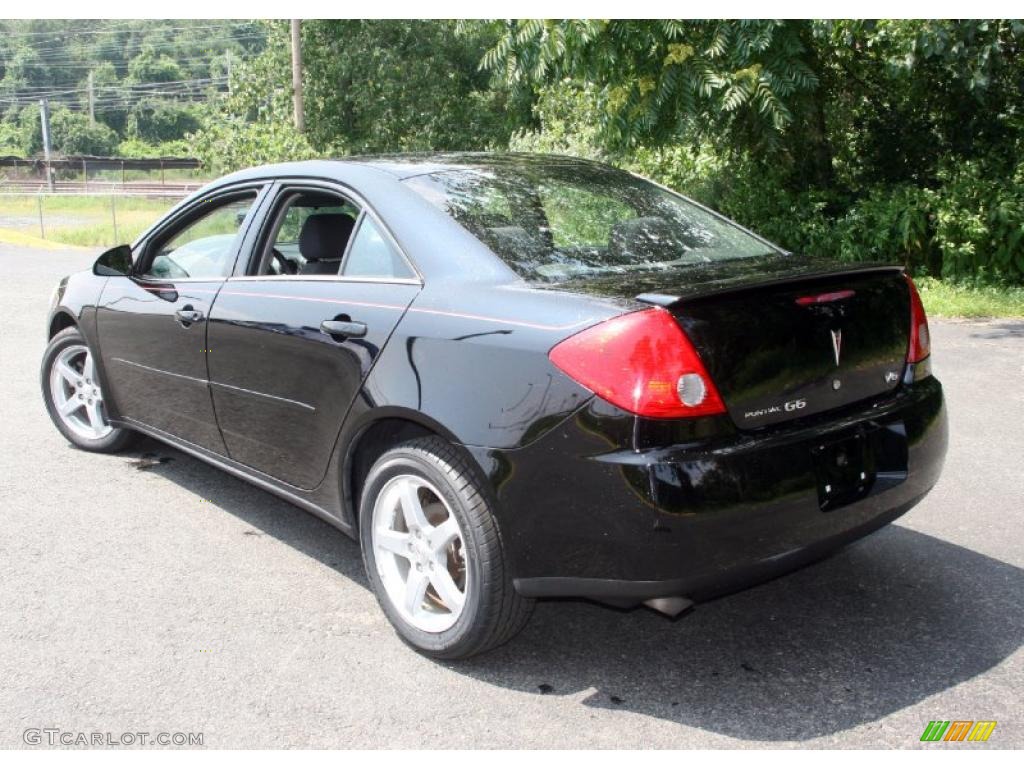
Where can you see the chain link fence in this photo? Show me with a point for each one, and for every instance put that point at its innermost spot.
(80, 218)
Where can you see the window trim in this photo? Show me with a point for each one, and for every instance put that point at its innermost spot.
(179, 220)
(286, 186)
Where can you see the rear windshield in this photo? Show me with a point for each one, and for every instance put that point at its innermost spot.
(568, 221)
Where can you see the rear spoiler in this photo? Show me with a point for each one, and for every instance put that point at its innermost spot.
(753, 281)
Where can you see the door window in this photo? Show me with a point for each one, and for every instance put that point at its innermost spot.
(206, 247)
(372, 255)
(309, 236)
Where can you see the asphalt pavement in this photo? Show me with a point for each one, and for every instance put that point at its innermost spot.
(149, 592)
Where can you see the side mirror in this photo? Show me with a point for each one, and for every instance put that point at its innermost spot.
(117, 262)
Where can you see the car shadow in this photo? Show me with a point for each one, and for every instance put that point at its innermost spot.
(882, 625)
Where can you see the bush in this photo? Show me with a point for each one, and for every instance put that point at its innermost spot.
(155, 120)
(888, 224)
(979, 224)
(72, 135)
(969, 227)
(137, 148)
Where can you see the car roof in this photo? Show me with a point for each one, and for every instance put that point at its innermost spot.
(407, 165)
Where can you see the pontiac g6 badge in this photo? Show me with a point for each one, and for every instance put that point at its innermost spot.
(837, 342)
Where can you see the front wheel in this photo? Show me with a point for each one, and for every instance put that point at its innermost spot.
(74, 397)
(433, 553)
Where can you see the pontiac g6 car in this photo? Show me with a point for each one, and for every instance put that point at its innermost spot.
(510, 377)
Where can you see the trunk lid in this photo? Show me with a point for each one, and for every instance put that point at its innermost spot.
(787, 337)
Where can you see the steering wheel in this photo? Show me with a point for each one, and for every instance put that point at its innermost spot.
(284, 266)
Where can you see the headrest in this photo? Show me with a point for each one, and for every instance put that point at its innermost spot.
(324, 235)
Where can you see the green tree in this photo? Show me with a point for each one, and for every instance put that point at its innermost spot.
(370, 86)
(159, 120)
(655, 81)
(151, 67)
(70, 133)
(859, 139)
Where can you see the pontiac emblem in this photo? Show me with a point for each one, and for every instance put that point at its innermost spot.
(837, 343)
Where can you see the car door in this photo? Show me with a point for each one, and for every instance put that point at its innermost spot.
(292, 340)
(152, 324)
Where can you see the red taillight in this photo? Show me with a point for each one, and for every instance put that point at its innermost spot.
(641, 362)
(920, 340)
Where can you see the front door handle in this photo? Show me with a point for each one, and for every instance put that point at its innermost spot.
(347, 329)
(188, 315)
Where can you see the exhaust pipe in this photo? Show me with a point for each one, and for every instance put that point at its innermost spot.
(669, 606)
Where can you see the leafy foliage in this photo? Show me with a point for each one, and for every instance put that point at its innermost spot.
(149, 76)
(370, 86)
(900, 140)
(657, 80)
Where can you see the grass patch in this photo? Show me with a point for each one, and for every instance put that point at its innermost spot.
(945, 299)
(13, 237)
(86, 220)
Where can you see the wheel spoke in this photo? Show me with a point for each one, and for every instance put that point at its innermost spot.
(69, 374)
(446, 588)
(443, 534)
(92, 411)
(415, 590)
(69, 406)
(88, 369)
(412, 510)
(394, 542)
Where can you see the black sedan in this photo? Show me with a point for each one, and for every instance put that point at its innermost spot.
(511, 377)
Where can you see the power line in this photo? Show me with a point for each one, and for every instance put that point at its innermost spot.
(123, 95)
(62, 54)
(142, 29)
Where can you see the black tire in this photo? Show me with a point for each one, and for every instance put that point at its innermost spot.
(493, 612)
(117, 439)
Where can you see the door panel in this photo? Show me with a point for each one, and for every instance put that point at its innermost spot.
(156, 360)
(281, 385)
(152, 325)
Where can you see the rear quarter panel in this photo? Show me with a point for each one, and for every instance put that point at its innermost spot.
(472, 362)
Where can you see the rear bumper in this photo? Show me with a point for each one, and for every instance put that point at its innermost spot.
(712, 516)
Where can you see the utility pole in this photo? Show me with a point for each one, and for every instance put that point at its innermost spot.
(92, 101)
(300, 121)
(44, 116)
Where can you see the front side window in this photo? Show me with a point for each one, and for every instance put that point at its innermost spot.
(555, 223)
(206, 247)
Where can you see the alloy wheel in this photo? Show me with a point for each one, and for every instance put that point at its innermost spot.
(77, 396)
(420, 553)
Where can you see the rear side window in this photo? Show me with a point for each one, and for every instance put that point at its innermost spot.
(372, 255)
(563, 221)
(308, 236)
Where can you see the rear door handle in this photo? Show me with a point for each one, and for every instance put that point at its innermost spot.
(188, 315)
(348, 329)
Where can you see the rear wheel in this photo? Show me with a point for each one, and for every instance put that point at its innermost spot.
(74, 397)
(433, 553)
